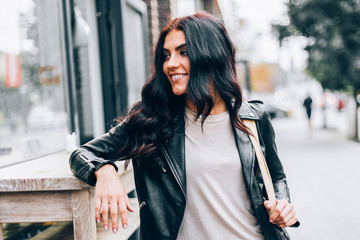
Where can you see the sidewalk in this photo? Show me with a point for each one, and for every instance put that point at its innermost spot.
(322, 169)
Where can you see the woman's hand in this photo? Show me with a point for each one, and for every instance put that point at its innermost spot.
(283, 215)
(110, 194)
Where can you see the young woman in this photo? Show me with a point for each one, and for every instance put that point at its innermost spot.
(195, 170)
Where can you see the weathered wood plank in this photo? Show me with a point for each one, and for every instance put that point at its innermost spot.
(57, 183)
(83, 206)
(43, 174)
(35, 207)
(46, 174)
(43, 184)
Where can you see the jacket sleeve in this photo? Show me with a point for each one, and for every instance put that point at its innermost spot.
(100, 151)
(268, 144)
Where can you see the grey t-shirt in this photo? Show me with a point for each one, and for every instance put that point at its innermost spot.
(218, 206)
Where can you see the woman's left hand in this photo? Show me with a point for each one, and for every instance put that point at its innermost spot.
(283, 215)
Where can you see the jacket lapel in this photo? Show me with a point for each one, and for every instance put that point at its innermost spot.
(244, 145)
(175, 148)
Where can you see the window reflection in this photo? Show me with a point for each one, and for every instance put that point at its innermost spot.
(33, 120)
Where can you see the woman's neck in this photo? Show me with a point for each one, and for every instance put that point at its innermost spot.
(219, 105)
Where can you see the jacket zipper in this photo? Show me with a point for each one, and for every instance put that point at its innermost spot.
(177, 178)
(143, 203)
(91, 165)
(172, 168)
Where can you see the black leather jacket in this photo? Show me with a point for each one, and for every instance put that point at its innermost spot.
(162, 197)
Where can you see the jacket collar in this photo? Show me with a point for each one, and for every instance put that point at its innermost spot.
(246, 112)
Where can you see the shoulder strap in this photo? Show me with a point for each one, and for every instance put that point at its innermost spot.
(262, 163)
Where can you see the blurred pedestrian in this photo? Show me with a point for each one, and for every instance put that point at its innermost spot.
(308, 107)
(190, 115)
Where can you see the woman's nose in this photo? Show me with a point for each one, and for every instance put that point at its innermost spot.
(173, 62)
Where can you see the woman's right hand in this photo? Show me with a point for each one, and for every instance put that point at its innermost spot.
(110, 194)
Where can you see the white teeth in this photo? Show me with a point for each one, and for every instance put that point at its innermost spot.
(177, 76)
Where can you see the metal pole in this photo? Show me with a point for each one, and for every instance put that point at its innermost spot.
(247, 75)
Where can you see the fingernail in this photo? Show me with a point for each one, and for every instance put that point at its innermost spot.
(106, 227)
(125, 226)
(98, 220)
(115, 230)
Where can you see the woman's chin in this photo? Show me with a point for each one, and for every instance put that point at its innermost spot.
(179, 92)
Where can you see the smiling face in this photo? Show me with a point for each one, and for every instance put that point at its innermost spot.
(176, 65)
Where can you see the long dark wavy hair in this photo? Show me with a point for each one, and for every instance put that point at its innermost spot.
(212, 60)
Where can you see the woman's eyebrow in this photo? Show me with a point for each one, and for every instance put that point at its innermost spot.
(177, 48)
(180, 46)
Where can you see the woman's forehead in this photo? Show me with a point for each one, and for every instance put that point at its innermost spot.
(174, 39)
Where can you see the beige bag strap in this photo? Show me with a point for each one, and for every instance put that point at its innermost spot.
(262, 163)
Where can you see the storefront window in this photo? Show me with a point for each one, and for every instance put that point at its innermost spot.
(33, 119)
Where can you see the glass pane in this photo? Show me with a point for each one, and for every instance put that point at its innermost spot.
(33, 120)
(134, 53)
(82, 73)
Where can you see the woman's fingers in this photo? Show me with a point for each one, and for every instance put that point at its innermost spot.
(123, 213)
(105, 213)
(114, 209)
(280, 205)
(284, 214)
(128, 205)
(289, 220)
(98, 209)
(114, 216)
(268, 205)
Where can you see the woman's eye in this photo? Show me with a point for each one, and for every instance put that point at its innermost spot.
(166, 56)
(184, 52)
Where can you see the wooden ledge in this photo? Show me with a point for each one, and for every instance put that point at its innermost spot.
(48, 173)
